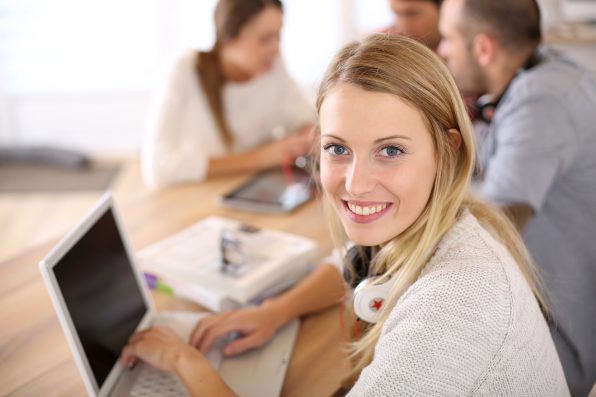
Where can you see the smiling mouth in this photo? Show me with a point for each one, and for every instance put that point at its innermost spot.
(366, 210)
(364, 213)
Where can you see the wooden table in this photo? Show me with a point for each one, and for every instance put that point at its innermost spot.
(34, 356)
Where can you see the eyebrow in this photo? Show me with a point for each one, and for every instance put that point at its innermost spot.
(393, 137)
(376, 140)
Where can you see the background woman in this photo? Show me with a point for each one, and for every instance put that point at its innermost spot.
(231, 109)
(460, 311)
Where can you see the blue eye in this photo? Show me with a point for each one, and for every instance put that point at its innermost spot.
(335, 150)
(391, 151)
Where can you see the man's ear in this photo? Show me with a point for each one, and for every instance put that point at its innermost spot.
(483, 48)
(455, 138)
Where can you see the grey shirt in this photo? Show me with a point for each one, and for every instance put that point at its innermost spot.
(541, 151)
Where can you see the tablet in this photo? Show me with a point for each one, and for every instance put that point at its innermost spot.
(274, 190)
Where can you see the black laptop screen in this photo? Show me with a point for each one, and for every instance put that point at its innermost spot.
(101, 293)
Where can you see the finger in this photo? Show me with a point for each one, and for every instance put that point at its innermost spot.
(243, 344)
(164, 332)
(200, 330)
(138, 336)
(128, 358)
(155, 332)
(219, 331)
(204, 325)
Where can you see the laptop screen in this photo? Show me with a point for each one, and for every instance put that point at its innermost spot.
(101, 293)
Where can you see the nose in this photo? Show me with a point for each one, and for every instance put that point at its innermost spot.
(360, 178)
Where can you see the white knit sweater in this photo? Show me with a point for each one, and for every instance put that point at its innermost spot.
(469, 326)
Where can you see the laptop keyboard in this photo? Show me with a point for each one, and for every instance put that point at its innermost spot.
(153, 382)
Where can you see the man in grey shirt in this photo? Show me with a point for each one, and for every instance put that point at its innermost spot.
(537, 157)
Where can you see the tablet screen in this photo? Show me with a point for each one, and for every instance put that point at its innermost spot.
(272, 190)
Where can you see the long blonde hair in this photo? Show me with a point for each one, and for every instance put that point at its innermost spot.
(413, 73)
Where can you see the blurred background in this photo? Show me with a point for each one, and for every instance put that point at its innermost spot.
(79, 74)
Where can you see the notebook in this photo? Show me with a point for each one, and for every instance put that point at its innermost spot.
(221, 263)
(101, 300)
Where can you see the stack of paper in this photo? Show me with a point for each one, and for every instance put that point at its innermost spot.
(190, 262)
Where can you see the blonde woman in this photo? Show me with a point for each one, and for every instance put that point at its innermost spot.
(462, 309)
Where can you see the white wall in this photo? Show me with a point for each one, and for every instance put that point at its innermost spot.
(97, 122)
(76, 74)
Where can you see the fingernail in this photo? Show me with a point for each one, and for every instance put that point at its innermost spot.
(131, 364)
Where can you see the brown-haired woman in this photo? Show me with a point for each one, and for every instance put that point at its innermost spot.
(228, 110)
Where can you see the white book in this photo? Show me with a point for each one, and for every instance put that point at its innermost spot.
(190, 262)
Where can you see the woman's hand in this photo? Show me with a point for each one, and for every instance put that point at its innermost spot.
(256, 326)
(287, 149)
(160, 347)
(279, 152)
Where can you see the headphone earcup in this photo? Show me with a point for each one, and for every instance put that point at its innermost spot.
(487, 104)
(369, 299)
(486, 110)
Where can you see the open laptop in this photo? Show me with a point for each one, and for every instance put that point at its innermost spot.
(101, 300)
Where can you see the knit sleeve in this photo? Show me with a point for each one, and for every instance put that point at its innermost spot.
(441, 336)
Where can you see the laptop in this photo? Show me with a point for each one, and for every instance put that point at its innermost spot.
(101, 300)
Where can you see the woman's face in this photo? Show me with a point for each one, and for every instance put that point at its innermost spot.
(257, 45)
(377, 162)
(418, 19)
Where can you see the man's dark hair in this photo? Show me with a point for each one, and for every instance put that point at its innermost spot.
(514, 23)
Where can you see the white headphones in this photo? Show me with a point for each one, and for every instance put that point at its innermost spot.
(370, 297)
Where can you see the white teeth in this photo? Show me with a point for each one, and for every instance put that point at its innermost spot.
(355, 209)
(365, 211)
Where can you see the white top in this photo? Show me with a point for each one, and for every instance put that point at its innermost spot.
(182, 134)
(469, 326)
